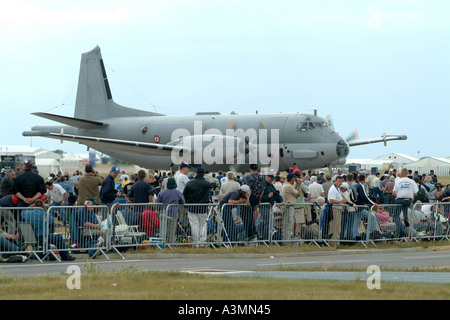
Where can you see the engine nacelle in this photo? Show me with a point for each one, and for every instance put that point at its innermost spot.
(339, 162)
(208, 149)
(219, 149)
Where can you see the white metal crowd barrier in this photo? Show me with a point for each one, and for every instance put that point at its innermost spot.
(191, 225)
(429, 221)
(240, 223)
(413, 223)
(390, 223)
(295, 222)
(135, 226)
(42, 232)
(24, 231)
(78, 229)
(339, 224)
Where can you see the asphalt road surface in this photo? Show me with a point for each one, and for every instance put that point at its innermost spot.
(265, 265)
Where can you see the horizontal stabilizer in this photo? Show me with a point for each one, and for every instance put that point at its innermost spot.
(144, 148)
(73, 122)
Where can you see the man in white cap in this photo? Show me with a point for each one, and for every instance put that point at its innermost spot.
(240, 196)
(231, 215)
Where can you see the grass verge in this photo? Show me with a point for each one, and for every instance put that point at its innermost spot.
(135, 284)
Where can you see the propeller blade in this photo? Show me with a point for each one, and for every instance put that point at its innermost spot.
(353, 136)
(328, 118)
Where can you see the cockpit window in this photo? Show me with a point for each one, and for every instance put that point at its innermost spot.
(310, 123)
(308, 126)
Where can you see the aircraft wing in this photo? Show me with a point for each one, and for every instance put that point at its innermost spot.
(385, 138)
(154, 149)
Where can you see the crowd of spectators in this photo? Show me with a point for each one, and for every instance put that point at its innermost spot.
(197, 188)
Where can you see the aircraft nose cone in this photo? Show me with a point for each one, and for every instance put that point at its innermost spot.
(342, 149)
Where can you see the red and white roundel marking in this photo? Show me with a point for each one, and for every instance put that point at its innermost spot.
(156, 139)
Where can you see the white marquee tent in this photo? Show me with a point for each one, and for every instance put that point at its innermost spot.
(441, 166)
(47, 166)
(71, 162)
(398, 160)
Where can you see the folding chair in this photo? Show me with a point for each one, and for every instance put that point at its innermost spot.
(29, 238)
(125, 232)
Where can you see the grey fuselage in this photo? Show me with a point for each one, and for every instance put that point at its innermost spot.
(305, 139)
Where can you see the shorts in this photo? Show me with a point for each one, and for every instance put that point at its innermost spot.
(299, 215)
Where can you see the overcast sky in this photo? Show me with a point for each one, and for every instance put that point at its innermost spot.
(375, 66)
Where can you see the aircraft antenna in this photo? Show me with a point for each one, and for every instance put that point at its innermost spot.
(65, 100)
(132, 87)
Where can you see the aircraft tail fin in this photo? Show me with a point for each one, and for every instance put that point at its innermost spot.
(94, 99)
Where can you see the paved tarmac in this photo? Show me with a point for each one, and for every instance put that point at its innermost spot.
(286, 265)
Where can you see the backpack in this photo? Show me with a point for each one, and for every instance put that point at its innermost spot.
(421, 195)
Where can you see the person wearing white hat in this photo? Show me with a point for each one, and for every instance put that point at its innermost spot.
(239, 196)
(231, 214)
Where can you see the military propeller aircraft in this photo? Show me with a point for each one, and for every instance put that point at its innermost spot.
(209, 139)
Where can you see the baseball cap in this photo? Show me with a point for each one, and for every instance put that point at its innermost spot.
(245, 188)
(290, 176)
(200, 171)
(345, 185)
(171, 183)
(184, 165)
(28, 163)
(93, 200)
(115, 169)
